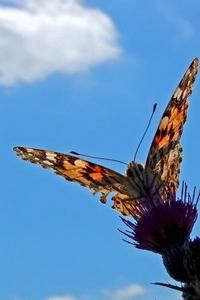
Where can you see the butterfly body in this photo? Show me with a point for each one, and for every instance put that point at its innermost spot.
(139, 183)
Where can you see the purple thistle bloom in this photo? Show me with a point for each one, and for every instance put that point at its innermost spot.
(164, 225)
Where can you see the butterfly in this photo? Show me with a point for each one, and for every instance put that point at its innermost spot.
(140, 183)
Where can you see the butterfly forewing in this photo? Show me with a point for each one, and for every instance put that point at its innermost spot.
(95, 177)
(165, 153)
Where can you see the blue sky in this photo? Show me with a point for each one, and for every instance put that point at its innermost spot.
(83, 76)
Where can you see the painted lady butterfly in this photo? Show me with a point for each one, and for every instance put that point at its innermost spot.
(140, 183)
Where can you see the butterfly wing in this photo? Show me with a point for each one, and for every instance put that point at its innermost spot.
(95, 177)
(165, 153)
(130, 190)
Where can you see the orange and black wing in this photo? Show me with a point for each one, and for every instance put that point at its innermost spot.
(95, 177)
(165, 153)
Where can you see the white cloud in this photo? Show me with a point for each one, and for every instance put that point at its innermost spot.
(39, 38)
(61, 298)
(128, 292)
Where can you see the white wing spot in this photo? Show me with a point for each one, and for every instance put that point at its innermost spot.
(29, 150)
(80, 163)
(164, 123)
(51, 156)
(48, 163)
(177, 93)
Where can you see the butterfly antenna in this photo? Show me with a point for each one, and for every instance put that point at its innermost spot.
(97, 157)
(150, 119)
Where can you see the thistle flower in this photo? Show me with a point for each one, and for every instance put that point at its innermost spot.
(164, 225)
(165, 228)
